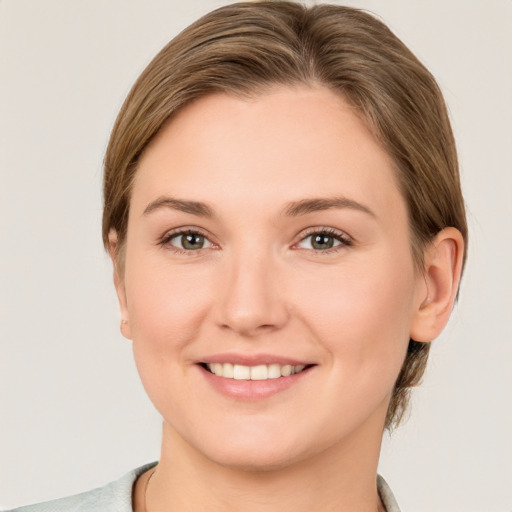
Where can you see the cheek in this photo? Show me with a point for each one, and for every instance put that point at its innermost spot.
(361, 313)
(165, 305)
(166, 310)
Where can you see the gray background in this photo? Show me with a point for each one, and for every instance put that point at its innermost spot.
(73, 414)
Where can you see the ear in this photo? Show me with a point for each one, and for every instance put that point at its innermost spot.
(441, 276)
(117, 257)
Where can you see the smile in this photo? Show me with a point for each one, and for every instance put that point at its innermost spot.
(259, 372)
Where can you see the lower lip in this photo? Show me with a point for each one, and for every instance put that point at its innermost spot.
(252, 389)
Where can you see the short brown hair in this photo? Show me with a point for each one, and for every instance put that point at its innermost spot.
(247, 47)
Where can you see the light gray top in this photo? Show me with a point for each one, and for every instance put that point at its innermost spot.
(117, 497)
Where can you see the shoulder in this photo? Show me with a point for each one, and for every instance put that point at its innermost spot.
(386, 495)
(114, 497)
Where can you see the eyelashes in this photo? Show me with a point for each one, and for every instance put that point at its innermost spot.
(322, 240)
(187, 240)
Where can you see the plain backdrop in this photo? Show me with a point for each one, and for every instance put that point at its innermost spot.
(73, 414)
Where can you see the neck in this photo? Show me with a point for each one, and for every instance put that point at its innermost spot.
(342, 479)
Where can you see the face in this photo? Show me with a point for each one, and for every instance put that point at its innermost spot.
(268, 284)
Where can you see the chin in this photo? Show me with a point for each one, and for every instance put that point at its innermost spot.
(254, 461)
(256, 451)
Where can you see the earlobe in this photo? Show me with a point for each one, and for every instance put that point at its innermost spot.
(443, 266)
(116, 256)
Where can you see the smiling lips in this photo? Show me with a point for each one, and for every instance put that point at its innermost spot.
(254, 377)
(259, 372)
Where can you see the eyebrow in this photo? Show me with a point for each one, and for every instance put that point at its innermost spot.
(305, 206)
(193, 207)
(293, 209)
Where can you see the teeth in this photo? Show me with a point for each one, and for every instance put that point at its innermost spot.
(274, 371)
(227, 370)
(240, 372)
(260, 372)
(286, 370)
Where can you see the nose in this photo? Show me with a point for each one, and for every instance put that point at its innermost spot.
(252, 300)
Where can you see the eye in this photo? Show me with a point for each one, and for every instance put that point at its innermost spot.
(323, 240)
(187, 241)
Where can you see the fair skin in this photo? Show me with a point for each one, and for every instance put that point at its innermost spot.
(299, 255)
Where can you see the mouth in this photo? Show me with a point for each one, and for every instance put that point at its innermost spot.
(258, 372)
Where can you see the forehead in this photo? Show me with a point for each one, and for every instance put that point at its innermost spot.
(287, 144)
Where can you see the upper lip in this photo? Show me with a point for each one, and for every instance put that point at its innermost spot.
(253, 359)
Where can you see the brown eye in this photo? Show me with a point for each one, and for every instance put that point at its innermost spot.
(189, 241)
(323, 241)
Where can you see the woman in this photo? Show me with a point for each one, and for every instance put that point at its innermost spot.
(284, 216)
